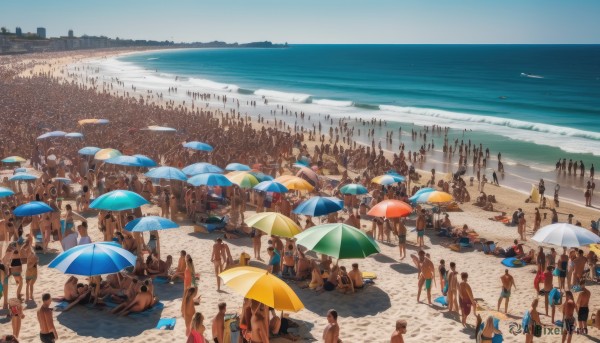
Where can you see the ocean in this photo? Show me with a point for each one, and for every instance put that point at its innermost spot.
(533, 103)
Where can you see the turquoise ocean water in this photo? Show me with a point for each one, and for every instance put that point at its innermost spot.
(535, 104)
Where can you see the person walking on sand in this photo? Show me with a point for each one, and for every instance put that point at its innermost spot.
(188, 308)
(568, 317)
(508, 282)
(466, 299)
(331, 334)
(218, 324)
(534, 321)
(402, 239)
(453, 289)
(426, 275)
(48, 332)
(217, 253)
(400, 330)
(420, 225)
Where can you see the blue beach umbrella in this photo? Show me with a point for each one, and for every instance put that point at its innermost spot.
(237, 167)
(89, 150)
(271, 186)
(200, 146)
(52, 134)
(74, 135)
(22, 177)
(387, 179)
(201, 168)
(124, 160)
(118, 200)
(13, 159)
(5, 192)
(145, 160)
(167, 173)
(419, 192)
(93, 259)
(319, 206)
(62, 180)
(150, 223)
(20, 170)
(32, 209)
(304, 161)
(354, 189)
(261, 177)
(209, 179)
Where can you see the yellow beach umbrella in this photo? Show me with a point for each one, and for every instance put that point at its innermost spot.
(435, 197)
(262, 286)
(273, 223)
(595, 248)
(13, 159)
(294, 182)
(243, 179)
(92, 121)
(105, 154)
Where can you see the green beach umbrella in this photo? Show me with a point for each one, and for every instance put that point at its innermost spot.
(354, 189)
(338, 240)
(118, 200)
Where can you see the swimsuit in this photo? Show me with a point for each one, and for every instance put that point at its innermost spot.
(465, 305)
(505, 293)
(583, 313)
(427, 283)
(402, 239)
(420, 233)
(569, 324)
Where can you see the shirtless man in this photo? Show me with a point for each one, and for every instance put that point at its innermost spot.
(218, 324)
(583, 310)
(508, 282)
(227, 256)
(562, 266)
(217, 253)
(142, 301)
(579, 266)
(260, 326)
(426, 275)
(356, 276)
(331, 334)
(466, 299)
(70, 289)
(402, 239)
(400, 330)
(568, 317)
(453, 288)
(48, 332)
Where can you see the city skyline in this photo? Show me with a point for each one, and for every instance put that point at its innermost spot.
(351, 21)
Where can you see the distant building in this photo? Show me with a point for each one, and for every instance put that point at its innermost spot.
(41, 32)
(18, 32)
(70, 33)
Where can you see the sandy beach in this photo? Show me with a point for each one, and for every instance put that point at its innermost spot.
(369, 315)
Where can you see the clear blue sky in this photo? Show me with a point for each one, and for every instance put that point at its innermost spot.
(315, 21)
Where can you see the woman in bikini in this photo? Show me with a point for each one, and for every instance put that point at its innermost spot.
(345, 284)
(197, 329)
(16, 268)
(188, 308)
(31, 273)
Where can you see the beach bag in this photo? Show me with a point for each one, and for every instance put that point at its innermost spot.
(556, 272)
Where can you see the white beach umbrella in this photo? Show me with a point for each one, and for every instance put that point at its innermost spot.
(565, 235)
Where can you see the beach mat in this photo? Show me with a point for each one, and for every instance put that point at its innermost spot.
(61, 306)
(369, 275)
(166, 324)
(441, 300)
(510, 262)
(158, 307)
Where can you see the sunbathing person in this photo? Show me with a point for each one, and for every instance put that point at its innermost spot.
(140, 303)
(180, 271)
(356, 276)
(158, 267)
(316, 281)
(84, 296)
(530, 257)
(70, 289)
(345, 284)
(303, 270)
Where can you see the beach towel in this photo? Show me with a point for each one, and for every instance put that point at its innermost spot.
(510, 262)
(166, 324)
(160, 280)
(441, 300)
(158, 307)
(465, 242)
(369, 275)
(525, 322)
(61, 306)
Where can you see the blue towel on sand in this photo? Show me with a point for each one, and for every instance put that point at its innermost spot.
(496, 338)
(166, 324)
(441, 300)
(510, 262)
(158, 307)
(160, 280)
(61, 305)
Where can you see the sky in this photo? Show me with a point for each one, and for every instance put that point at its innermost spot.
(316, 21)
